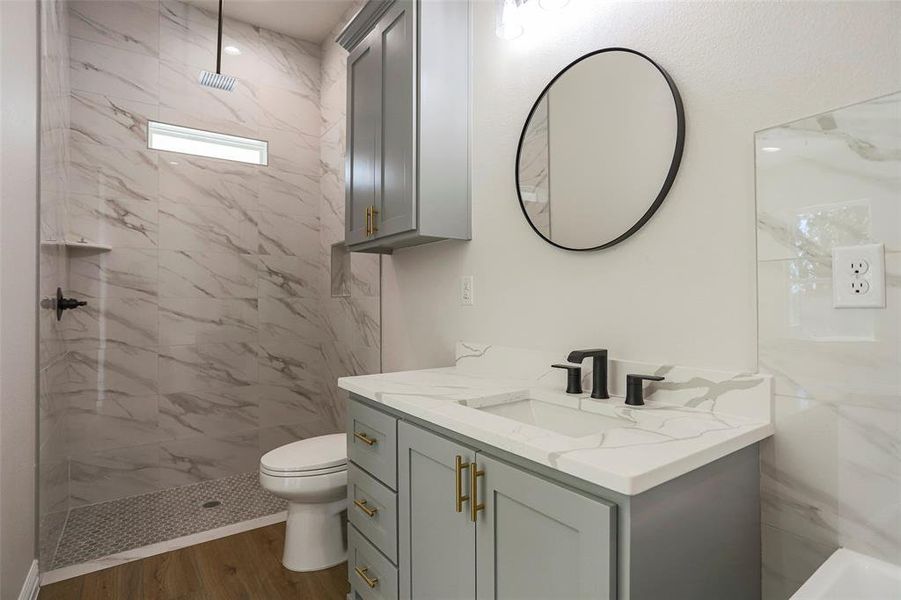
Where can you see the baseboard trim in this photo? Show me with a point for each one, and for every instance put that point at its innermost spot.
(32, 584)
(153, 549)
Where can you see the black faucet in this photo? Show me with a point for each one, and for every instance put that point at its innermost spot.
(598, 369)
(634, 389)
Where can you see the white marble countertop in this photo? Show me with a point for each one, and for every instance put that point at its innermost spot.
(654, 443)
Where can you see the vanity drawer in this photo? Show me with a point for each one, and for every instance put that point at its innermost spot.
(372, 576)
(372, 442)
(373, 510)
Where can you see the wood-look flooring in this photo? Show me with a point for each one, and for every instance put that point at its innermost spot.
(239, 567)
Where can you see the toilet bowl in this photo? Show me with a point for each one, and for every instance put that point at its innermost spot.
(311, 475)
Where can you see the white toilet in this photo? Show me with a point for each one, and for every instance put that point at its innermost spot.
(312, 476)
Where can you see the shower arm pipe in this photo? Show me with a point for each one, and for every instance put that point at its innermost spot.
(219, 43)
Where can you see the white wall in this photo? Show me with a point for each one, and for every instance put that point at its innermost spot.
(18, 288)
(681, 290)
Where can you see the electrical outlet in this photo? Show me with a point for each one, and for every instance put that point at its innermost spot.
(467, 297)
(858, 276)
(860, 267)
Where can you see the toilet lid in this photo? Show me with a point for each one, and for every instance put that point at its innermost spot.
(311, 454)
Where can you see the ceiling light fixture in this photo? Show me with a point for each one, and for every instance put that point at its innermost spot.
(509, 26)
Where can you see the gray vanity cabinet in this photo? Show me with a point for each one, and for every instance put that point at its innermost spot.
(536, 539)
(537, 533)
(407, 158)
(437, 543)
(530, 539)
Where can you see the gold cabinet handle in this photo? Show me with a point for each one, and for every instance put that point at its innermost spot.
(365, 438)
(370, 581)
(459, 498)
(368, 221)
(373, 228)
(474, 505)
(361, 504)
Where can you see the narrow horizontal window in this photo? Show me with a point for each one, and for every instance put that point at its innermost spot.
(174, 138)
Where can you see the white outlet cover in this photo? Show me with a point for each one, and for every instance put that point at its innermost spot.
(845, 281)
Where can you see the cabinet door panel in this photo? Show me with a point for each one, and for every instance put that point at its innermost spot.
(397, 207)
(538, 540)
(364, 94)
(437, 544)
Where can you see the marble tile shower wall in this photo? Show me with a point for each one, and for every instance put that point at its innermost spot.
(352, 320)
(831, 476)
(207, 340)
(53, 473)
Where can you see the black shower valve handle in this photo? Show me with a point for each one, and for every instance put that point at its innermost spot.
(63, 303)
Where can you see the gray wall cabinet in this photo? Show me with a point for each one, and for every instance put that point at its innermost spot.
(537, 533)
(407, 163)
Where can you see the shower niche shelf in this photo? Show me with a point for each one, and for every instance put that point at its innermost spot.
(83, 244)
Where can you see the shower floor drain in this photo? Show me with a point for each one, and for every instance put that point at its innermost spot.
(211, 504)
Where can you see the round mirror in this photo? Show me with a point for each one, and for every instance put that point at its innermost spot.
(600, 149)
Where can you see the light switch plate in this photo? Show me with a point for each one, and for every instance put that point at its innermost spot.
(858, 276)
(466, 291)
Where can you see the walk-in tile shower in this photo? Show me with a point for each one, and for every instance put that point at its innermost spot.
(213, 330)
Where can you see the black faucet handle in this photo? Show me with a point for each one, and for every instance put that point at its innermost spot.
(635, 389)
(573, 377)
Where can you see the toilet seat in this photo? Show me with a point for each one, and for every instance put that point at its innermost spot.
(307, 458)
(302, 473)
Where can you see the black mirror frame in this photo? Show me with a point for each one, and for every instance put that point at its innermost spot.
(670, 176)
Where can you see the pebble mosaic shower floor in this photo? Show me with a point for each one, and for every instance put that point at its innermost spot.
(99, 530)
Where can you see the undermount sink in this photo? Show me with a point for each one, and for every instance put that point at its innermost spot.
(553, 417)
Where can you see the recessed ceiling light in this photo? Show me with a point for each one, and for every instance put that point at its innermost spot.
(771, 149)
(233, 50)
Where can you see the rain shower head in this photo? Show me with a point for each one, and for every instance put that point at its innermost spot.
(217, 80)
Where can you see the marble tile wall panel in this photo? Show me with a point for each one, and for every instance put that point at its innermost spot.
(214, 414)
(202, 274)
(120, 222)
(207, 367)
(183, 462)
(185, 321)
(352, 341)
(103, 69)
(111, 474)
(831, 476)
(121, 24)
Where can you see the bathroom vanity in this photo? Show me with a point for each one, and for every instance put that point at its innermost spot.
(486, 480)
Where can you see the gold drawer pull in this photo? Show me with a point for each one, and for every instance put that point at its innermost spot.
(373, 228)
(368, 221)
(364, 438)
(474, 505)
(361, 504)
(370, 581)
(458, 483)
